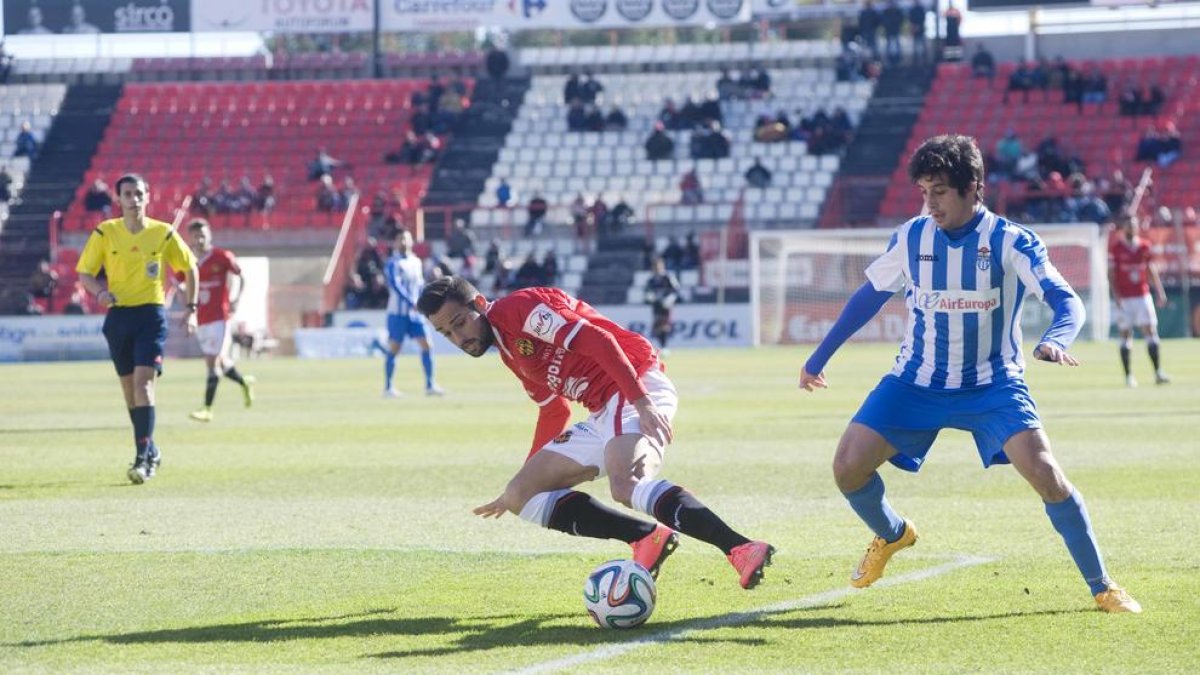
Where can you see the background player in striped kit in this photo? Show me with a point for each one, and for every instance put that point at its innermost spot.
(965, 273)
(405, 278)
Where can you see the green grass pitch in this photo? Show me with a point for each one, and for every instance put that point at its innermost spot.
(330, 530)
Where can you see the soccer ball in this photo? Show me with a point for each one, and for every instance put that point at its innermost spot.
(619, 594)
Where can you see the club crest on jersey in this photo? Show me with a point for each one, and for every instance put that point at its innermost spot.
(525, 347)
(563, 437)
(984, 261)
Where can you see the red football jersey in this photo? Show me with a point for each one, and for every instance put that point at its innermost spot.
(537, 330)
(215, 267)
(1130, 264)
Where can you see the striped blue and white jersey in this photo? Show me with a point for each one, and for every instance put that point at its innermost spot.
(964, 298)
(405, 279)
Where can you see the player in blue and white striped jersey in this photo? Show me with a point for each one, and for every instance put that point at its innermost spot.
(405, 278)
(965, 273)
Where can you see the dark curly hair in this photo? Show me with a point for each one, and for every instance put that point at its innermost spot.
(954, 156)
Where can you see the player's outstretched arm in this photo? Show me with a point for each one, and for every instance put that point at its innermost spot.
(862, 306)
(493, 509)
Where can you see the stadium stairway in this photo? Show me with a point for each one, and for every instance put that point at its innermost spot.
(611, 268)
(69, 146)
(467, 161)
(880, 138)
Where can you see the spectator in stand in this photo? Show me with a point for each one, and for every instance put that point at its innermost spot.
(691, 252)
(202, 198)
(1083, 206)
(916, 22)
(710, 110)
(537, 215)
(98, 199)
(1009, 151)
(430, 147)
(868, 27)
(1116, 191)
(572, 90)
(620, 218)
(491, 259)
(690, 190)
(1020, 80)
(758, 176)
(421, 120)
(266, 199)
(727, 88)
(593, 119)
(6, 62)
(1152, 101)
(892, 20)
(1129, 102)
(348, 192)
(710, 142)
(1073, 89)
(529, 274)
(323, 164)
(672, 254)
(953, 32)
(27, 144)
(497, 63)
(616, 120)
(1095, 87)
(576, 116)
(983, 64)
(597, 216)
(670, 118)
(223, 200)
(549, 267)
(434, 93)
(690, 112)
(590, 88)
(461, 243)
(579, 221)
(75, 306)
(1149, 146)
(659, 145)
(504, 194)
(246, 196)
(42, 283)
(1171, 146)
(368, 268)
(327, 195)
(6, 194)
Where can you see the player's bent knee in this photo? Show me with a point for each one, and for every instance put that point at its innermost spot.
(622, 492)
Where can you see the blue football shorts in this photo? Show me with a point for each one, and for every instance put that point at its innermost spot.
(401, 326)
(136, 336)
(909, 417)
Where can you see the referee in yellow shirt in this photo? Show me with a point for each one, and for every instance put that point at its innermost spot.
(132, 250)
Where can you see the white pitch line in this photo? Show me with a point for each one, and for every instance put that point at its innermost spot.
(739, 618)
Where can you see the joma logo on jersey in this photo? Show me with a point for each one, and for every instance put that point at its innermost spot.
(984, 261)
(957, 302)
(926, 257)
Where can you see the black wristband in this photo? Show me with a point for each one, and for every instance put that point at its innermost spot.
(192, 306)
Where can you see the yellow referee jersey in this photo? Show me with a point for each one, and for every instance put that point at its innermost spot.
(134, 262)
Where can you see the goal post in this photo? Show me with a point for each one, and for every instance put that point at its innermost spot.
(801, 279)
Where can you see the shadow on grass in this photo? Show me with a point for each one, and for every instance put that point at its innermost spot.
(476, 634)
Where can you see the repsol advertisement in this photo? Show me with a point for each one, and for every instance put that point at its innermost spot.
(352, 331)
(92, 17)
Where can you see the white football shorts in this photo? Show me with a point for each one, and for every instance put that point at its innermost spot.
(584, 441)
(1135, 312)
(214, 338)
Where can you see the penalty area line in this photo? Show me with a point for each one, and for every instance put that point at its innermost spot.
(741, 618)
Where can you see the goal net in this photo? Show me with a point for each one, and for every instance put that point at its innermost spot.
(801, 279)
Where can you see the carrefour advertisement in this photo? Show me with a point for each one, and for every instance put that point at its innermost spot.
(415, 15)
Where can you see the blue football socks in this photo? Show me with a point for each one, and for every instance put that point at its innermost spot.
(872, 506)
(1070, 518)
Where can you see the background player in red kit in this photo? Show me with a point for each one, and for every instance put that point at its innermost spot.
(1131, 273)
(563, 350)
(218, 303)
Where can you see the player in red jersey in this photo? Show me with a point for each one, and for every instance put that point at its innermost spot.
(218, 303)
(563, 350)
(1131, 273)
